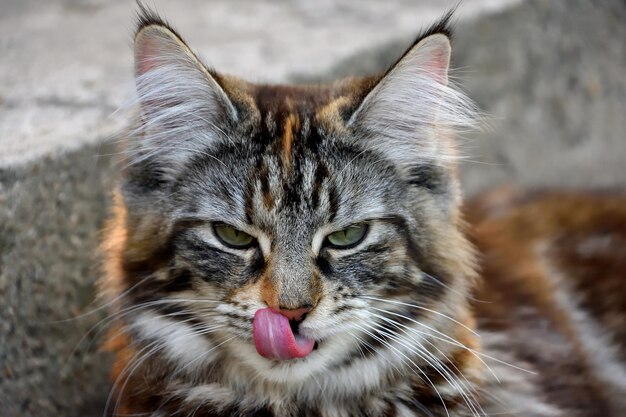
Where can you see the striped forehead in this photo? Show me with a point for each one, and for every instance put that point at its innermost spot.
(290, 177)
(287, 112)
(292, 166)
(299, 170)
(286, 127)
(282, 99)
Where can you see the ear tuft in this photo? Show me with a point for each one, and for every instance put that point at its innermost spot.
(147, 17)
(443, 26)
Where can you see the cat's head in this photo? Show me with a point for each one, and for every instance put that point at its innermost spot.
(334, 206)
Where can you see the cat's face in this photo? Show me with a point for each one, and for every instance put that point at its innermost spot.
(332, 206)
(315, 232)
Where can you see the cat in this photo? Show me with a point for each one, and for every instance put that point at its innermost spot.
(303, 251)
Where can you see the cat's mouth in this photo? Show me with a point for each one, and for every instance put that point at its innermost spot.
(276, 337)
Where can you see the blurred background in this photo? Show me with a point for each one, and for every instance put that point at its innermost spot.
(549, 74)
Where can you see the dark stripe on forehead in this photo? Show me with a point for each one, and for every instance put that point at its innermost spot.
(292, 185)
(248, 199)
(321, 174)
(286, 113)
(266, 192)
(333, 202)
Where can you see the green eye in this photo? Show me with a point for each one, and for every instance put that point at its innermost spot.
(348, 237)
(232, 237)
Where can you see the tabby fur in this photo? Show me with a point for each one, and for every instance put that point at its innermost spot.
(400, 326)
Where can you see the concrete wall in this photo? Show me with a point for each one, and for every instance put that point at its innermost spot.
(549, 75)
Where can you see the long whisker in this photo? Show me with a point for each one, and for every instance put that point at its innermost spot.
(425, 309)
(446, 338)
(454, 290)
(153, 347)
(156, 347)
(125, 311)
(101, 324)
(456, 342)
(432, 360)
(372, 349)
(416, 367)
(437, 365)
(130, 363)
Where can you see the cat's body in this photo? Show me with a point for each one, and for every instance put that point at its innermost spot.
(554, 298)
(300, 251)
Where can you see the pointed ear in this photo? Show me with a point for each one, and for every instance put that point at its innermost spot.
(183, 108)
(409, 114)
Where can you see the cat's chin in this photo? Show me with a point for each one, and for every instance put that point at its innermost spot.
(322, 358)
(280, 370)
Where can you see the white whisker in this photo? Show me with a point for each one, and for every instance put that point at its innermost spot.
(438, 313)
(416, 367)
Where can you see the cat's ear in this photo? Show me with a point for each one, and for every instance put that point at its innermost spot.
(183, 108)
(169, 75)
(409, 114)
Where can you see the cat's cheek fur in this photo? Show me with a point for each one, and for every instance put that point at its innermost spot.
(180, 343)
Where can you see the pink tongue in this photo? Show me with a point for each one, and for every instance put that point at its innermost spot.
(274, 339)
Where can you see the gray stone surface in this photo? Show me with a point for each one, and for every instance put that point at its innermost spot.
(549, 74)
(551, 78)
(51, 213)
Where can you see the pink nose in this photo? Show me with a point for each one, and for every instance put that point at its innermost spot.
(296, 314)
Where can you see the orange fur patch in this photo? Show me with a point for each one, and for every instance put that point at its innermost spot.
(292, 124)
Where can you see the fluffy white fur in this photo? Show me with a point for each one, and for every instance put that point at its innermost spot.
(182, 344)
(411, 113)
(180, 103)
